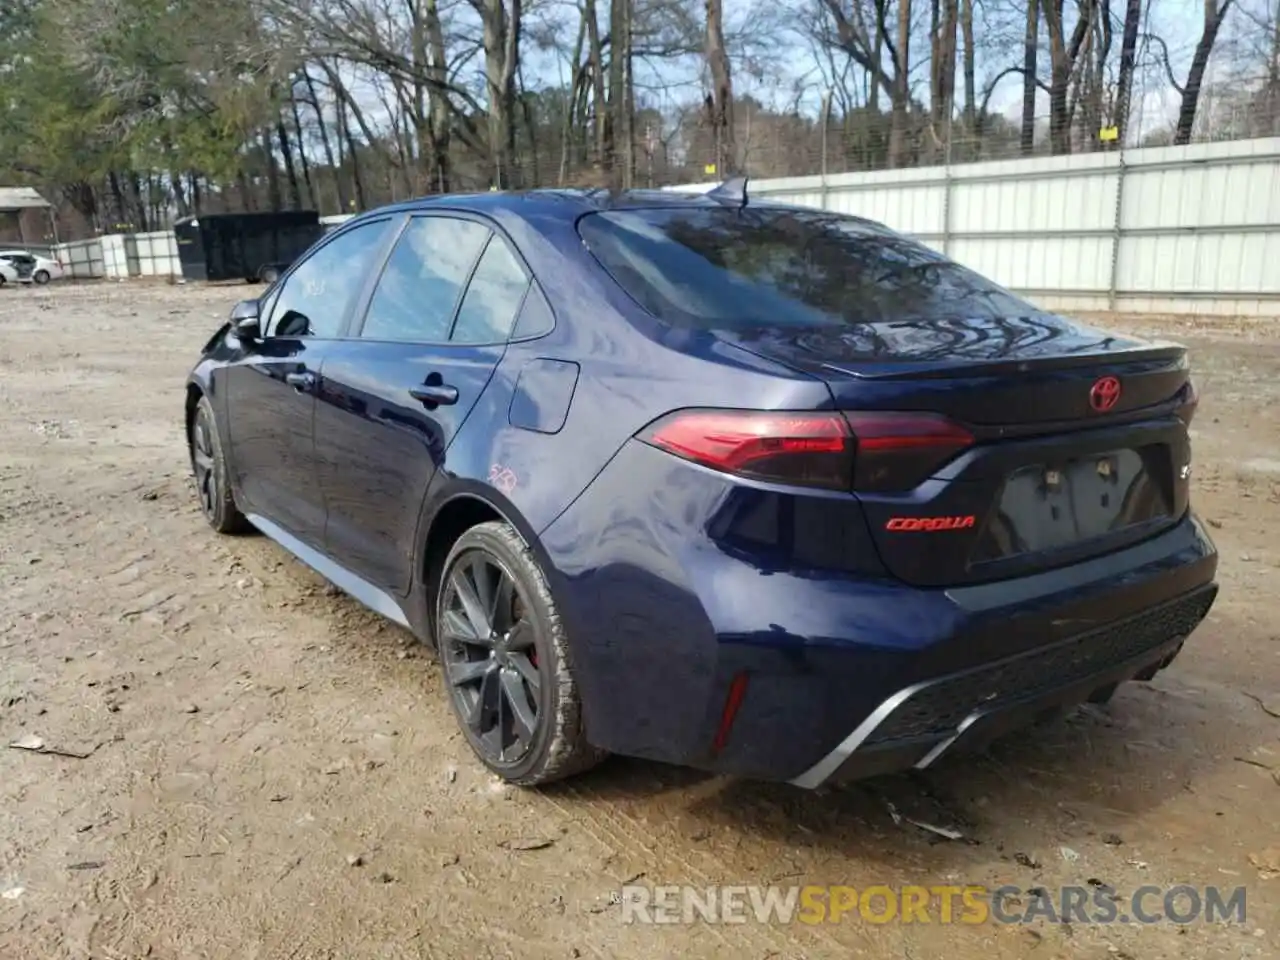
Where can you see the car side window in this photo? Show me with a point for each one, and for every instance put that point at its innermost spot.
(418, 291)
(314, 299)
(535, 317)
(493, 297)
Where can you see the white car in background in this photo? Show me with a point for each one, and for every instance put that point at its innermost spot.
(8, 273)
(31, 267)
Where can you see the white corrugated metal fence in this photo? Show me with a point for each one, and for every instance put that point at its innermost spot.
(1192, 229)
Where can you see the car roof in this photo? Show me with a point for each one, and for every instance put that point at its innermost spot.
(565, 201)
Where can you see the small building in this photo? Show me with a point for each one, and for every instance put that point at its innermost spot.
(24, 215)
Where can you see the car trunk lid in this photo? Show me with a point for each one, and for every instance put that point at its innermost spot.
(1079, 440)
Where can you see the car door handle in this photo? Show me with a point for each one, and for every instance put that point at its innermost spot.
(303, 381)
(437, 393)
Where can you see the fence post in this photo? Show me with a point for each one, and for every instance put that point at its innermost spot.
(1117, 233)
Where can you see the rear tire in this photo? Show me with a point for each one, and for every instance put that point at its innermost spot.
(212, 478)
(269, 275)
(41, 277)
(507, 666)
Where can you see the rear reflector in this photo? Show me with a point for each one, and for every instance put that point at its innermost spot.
(833, 450)
(732, 703)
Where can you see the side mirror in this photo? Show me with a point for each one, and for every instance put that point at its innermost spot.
(245, 320)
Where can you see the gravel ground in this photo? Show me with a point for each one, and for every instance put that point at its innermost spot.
(253, 766)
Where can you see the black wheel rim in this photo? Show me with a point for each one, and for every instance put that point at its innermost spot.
(203, 466)
(490, 661)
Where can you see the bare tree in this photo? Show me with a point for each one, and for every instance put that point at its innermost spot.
(1124, 84)
(1215, 11)
(720, 100)
(943, 22)
(970, 91)
(1030, 50)
(1064, 53)
(502, 22)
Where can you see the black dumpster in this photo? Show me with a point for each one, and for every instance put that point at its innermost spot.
(244, 246)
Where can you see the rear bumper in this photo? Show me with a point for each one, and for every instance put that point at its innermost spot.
(915, 726)
(846, 674)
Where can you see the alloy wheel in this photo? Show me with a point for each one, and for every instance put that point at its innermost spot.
(490, 660)
(202, 463)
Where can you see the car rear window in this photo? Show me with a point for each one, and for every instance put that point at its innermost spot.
(730, 268)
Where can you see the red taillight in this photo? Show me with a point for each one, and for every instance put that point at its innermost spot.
(811, 449)
(838, 451)
(898, 450)
(1189, 401)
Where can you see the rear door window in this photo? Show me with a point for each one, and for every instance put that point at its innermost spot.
(418, 292)
(493, 297)
(729, 268)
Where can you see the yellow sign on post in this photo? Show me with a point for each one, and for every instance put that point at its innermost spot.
(709, 169)
(1107, 134)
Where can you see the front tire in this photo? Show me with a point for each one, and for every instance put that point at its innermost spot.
(213, 479)
(507, 668)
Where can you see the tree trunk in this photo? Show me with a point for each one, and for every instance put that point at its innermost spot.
(1128, 51)
(901, 87)
(274, 201)
(619, 13)
(943, 66)
(324, 140)
(302, 152)
(1213, 17)
(877, 57)
(721, 90)
(179, 194)
(595, 54)
(246, 192)
(139, 202)
(502, 59)
(1272, 121)
(344, 131)
(571, 112)
(628, 105)
(1063, 57)
(970, 83)
(438, 74)
(1032, 43)
(286, 153)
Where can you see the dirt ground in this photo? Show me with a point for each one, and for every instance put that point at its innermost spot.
(244, 733)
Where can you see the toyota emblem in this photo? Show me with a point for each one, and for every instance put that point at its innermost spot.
(1104, 394)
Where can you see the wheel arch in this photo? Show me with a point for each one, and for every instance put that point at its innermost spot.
(448, 517)
(194, 393)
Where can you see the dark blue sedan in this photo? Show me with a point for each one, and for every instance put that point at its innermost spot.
(764, 490)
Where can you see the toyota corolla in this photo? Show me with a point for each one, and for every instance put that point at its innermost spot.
(764, 490)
